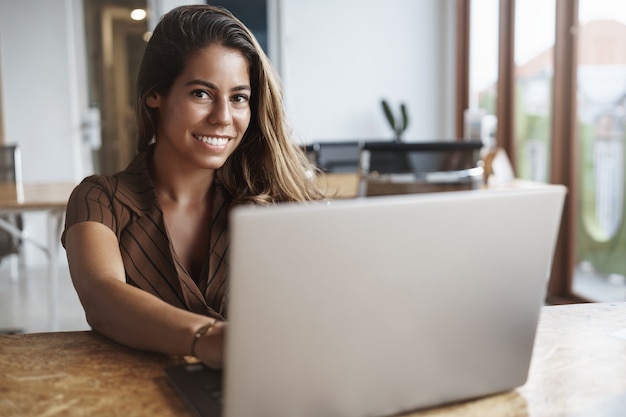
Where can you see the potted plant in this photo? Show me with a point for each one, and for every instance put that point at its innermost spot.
(398, 126)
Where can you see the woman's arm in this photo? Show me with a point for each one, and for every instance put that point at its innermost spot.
(128, 314)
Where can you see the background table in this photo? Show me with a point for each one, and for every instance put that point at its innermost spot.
(578, 369)
(51, 199)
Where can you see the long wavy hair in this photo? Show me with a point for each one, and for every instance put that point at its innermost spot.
(267, 166)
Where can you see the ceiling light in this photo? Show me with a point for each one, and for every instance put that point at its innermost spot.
(138, 14)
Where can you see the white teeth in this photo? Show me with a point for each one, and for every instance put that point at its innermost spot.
(212, 141)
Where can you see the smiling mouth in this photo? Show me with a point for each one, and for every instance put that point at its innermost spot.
(212, 141)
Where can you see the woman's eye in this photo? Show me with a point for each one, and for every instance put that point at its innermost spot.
(240, 98)
(200, 94)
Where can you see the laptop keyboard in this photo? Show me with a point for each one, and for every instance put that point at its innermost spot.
(199, 386)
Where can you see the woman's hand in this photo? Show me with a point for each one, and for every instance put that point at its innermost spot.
(210, 347)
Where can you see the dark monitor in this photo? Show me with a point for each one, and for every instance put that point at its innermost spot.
(422, 157)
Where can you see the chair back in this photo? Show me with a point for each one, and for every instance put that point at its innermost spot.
(10, 164)
(10, 182)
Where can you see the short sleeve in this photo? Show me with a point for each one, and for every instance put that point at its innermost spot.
(91, 200)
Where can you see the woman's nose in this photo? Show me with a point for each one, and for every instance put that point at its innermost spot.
(220, 112)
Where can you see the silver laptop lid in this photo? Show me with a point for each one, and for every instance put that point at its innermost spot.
(381, 305)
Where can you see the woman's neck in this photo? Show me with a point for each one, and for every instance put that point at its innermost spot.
(179, 182)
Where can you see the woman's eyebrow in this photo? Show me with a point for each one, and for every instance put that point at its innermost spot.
(214, 87)
(242, 88)
(201, 82)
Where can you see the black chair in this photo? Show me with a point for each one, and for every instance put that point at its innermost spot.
(11, 224)
(401, 167)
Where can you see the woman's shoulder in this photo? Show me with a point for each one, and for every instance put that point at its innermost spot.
(130, 183)
(93, 191)
(96, 183)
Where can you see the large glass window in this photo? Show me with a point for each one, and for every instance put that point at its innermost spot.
(601, 97)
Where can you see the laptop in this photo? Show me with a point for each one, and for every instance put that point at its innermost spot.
(382, 305)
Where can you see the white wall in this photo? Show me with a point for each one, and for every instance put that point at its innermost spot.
(40, 93)
(339, 58)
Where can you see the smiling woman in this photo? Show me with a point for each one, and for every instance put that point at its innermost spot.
(148, 246)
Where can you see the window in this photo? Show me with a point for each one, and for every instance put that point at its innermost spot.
(565, 122)
(601, 95)
(534, 69)
(483, 57)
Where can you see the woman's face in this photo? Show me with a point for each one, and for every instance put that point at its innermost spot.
(207, 110)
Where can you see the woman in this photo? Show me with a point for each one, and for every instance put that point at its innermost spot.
(212, 134)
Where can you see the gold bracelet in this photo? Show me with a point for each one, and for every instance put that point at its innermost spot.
(199, 333)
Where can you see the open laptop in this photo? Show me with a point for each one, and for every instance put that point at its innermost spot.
(382, 305)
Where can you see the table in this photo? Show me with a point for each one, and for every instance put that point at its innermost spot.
(50, 198)
(578, 369)
(339, 185)
(346, 185)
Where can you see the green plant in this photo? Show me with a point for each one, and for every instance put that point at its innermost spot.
(401, 124)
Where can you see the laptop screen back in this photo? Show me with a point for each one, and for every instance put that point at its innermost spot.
(382, 305)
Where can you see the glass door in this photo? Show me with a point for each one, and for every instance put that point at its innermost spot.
(600, 273)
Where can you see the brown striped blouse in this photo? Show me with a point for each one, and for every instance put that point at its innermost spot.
(126, 202)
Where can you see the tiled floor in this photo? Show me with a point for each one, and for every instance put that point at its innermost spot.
(24, 305)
